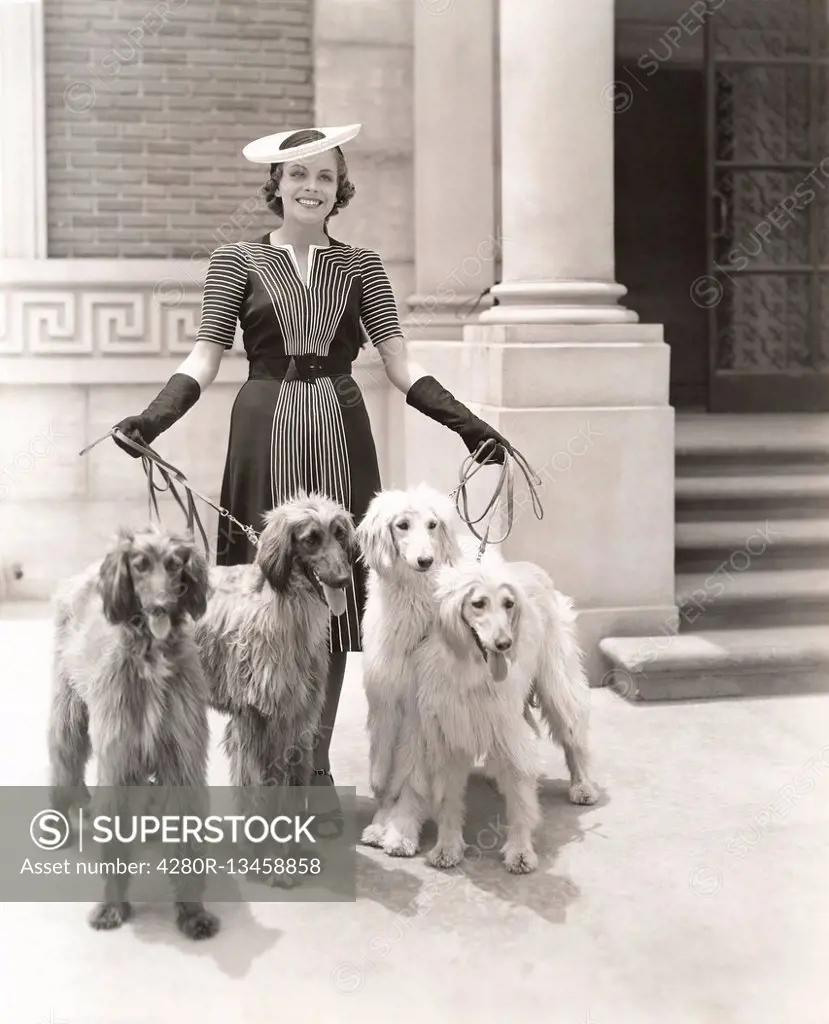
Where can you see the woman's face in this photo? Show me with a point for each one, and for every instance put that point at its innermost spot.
(308, 188)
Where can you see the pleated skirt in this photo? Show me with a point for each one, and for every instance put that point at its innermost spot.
(292, 435)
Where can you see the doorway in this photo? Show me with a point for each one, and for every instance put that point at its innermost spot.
(660, 194)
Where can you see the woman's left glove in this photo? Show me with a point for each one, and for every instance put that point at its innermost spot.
(433, 400)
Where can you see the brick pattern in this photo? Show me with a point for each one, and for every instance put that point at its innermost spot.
(148, 105)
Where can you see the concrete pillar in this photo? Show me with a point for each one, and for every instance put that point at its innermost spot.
(557, 165)
(457, 252)
(456, 247)
(22, 131)
(564, 371)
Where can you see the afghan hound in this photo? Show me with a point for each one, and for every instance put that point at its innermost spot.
(504, 634)
(404, 537)
(264, 639)
(128, 688)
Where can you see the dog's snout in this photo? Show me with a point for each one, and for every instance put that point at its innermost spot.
(503, 645)
(425, 561)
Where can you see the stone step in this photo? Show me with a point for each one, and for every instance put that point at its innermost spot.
(778, 495)
(751, 544)
(719, 663)
(734, 598)
(754, 437)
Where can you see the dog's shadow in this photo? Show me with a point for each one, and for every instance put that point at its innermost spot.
(482, 873)
(239, 943)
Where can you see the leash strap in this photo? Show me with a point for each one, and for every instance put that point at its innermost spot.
(151, 460)
(505, 486)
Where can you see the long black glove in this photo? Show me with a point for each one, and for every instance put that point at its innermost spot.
(433, 400)
(178, 395)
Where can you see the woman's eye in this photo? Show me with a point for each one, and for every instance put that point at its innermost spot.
(403, 526)
(479, 602)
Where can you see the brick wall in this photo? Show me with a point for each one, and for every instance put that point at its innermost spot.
(148, 105)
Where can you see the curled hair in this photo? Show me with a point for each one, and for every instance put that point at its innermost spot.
(345, 188)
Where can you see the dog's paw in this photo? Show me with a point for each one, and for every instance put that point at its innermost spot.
(396, 844)
(520, 861)
(373, 835)
(446, 855)
(107, 916)
(583, 793)
(200, 924)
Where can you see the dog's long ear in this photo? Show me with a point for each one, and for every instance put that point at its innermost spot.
(454, 629)
(195, 581)
(351, 549)
(275, 552)
(115, 582)
(375, 537)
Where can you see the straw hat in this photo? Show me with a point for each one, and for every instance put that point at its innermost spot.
(269, 149)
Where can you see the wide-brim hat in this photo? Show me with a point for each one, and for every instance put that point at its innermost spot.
(267, 149)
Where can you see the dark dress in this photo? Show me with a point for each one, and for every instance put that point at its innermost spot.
(291, 434)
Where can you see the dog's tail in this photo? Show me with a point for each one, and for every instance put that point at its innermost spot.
(560, 689)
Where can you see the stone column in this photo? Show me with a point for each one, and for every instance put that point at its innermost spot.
(456, 166)
(556, 132)
(454, 162)
(22, 131)
(563, 370)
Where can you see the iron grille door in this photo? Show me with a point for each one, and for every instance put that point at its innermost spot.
(768, 205)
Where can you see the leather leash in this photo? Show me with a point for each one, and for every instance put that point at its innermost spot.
(150, 459)
(505, 486)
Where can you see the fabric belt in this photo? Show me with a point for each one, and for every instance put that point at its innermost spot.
(298, 367)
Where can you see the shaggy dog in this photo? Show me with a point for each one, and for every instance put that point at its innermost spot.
(404, 537)
(264, 639)
(128, 686)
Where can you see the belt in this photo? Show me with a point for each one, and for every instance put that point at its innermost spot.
(298, 367)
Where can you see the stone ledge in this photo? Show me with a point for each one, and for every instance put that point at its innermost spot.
(719, 663)
(564, 334)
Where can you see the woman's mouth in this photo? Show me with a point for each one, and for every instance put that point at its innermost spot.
(311, 204)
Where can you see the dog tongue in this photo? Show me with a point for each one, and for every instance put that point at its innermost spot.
(335, 599)
(498, 666)
(160, 626)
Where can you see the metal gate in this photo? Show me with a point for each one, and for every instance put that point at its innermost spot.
(768, 205)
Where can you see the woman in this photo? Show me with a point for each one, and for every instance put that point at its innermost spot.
(300, 422)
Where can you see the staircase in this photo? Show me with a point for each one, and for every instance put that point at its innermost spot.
(752, 564)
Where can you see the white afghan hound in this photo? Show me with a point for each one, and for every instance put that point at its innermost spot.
(503, 634)
(404, 537)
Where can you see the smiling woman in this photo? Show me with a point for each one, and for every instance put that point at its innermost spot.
(303, 299)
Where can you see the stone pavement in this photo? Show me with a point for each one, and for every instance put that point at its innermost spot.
(696, 891)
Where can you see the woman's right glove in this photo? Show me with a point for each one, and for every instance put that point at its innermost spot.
(433, 400)
(179, 394)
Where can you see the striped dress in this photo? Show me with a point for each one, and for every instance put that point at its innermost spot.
(292, 434)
